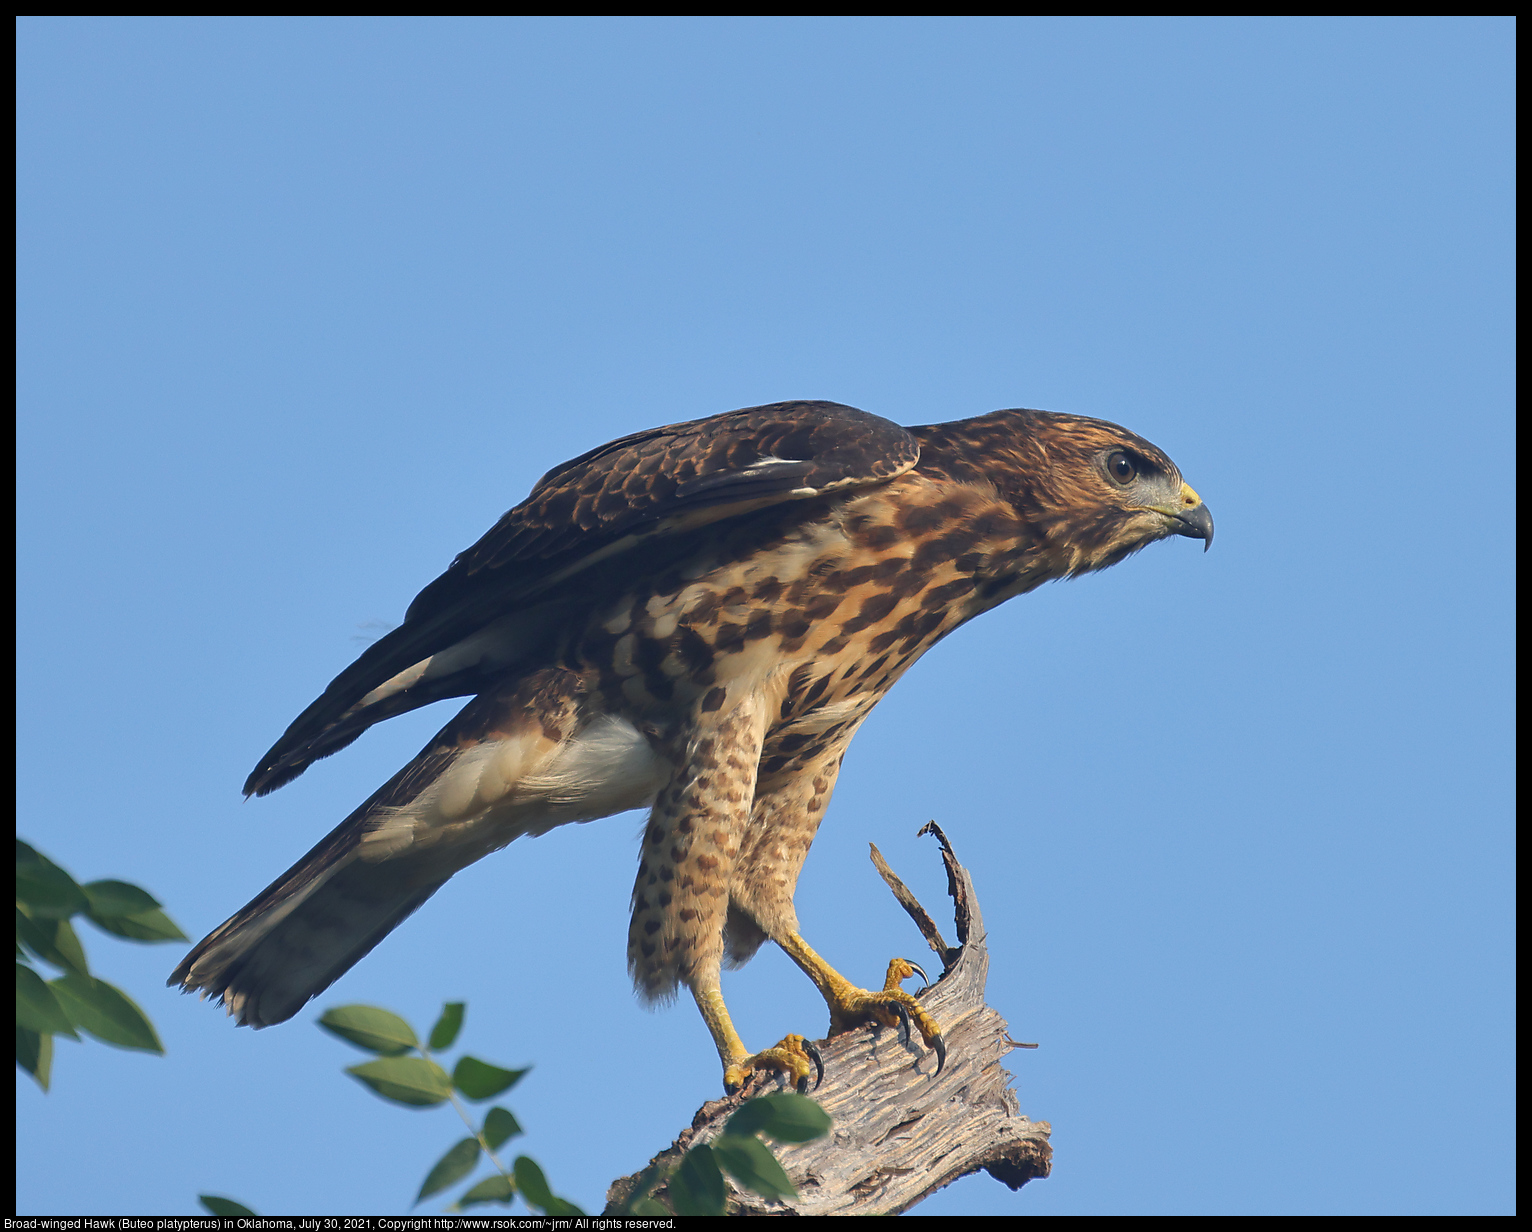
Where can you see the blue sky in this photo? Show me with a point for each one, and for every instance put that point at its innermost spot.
(305, 304)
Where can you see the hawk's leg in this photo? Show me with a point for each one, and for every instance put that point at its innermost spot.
(681, 897)
(790, 801)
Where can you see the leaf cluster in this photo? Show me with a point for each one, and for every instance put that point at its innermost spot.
(47, 899)
(405, 1072)
(696, 1185)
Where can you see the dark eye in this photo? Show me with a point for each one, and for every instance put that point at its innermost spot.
(1121, 467)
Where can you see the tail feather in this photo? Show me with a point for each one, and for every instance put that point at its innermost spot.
(523, 757)
(264, 966)
(322, 916)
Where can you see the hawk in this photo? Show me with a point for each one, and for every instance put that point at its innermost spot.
(694, 620)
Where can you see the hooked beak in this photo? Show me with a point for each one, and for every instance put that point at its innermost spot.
(1190, 517)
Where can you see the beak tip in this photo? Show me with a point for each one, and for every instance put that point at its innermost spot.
(1195, 523)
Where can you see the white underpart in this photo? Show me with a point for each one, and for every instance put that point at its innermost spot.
(502, 789)
(608, 768)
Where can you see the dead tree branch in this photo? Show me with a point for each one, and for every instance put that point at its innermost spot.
(901, 1130)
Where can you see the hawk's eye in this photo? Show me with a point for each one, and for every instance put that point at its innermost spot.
(1121, 467)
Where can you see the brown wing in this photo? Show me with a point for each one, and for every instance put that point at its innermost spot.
(499, 599)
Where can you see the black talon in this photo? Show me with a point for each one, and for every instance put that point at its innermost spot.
(920, 971)
(819, 1066)
(940, 1046)
(904, 1021)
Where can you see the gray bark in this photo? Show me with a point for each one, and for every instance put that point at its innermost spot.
(901, 1130)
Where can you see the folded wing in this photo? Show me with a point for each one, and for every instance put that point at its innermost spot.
(500, 601)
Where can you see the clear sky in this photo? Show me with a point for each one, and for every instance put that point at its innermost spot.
(306, 303)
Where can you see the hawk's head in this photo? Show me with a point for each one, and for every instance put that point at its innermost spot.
(1106, 492)
(1092, 490)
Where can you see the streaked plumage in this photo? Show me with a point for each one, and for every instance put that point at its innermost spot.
(694, 619)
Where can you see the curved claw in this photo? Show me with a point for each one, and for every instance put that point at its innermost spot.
(904, 1021)
(939, 1046)
(819, 1066)
(790, 1057)
(921, 972)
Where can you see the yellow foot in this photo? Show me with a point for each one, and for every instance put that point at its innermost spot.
(893, 1007)
(793, 1056)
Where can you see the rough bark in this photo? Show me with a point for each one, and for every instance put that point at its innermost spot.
(901, 1130)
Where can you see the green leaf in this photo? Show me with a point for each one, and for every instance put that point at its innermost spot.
(67, 943)
(450, 1168)
(416, 1081)
(369, 1027)
(52, 940)
(750, 1162)
(492, 1189)
(499, 1128)
(47, 890)
(447, 1026)
(534, 1188)
(479, 1080)
(34, 935)
(106, 1012)
(783, 1116)
(148, 926)
(649, 1208)
(532, 1183)
(38, 1008)
(34, 1053)
(118, 898)
(697, 1186)
(226, 1207)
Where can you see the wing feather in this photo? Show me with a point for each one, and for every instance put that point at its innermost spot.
(628, 492)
